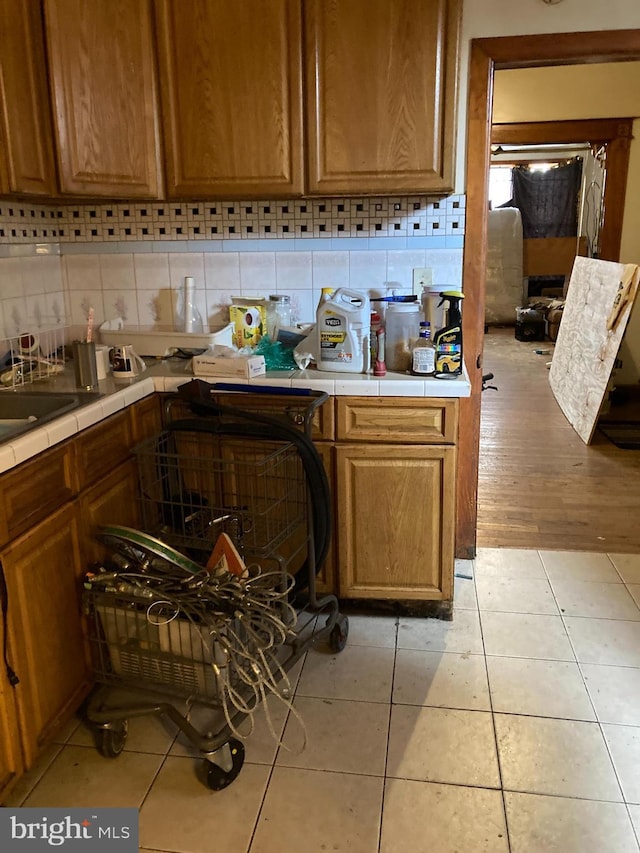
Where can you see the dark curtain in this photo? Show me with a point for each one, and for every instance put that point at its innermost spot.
(548, 201)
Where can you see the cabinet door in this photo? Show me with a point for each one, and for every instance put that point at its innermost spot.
(102, 76)
(43, 571)
(114, 500)
(10, 758)
(27, 166)
(231, 87)
(381, 91)
(395, 511)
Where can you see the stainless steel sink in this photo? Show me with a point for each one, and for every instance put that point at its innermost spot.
(21, 411)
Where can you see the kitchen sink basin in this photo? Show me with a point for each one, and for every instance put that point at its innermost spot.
(21, 411)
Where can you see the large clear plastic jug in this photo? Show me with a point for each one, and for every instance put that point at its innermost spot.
(402, 326)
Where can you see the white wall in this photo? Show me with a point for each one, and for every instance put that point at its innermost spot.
(491, 18)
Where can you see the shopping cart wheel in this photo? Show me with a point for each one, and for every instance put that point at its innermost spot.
(110, 741)
(217, 777)
(339, 634)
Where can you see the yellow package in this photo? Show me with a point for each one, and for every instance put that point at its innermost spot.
(250, 324)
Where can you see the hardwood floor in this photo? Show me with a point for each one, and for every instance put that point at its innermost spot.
(539, 485)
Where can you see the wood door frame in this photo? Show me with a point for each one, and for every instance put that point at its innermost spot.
(615, 133)
(486, 56)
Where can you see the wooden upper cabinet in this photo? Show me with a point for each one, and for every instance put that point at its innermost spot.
(381, 90)
(26, 163)
(231, 91)
(102, 77)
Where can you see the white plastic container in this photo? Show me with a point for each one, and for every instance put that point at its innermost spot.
(432, 311)
(402, 325)
(343, 325)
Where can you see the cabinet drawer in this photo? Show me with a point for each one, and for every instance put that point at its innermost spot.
(397, 419)
(33, 490)
(99, 449)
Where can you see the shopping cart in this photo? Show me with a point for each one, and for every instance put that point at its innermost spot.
(174, 614)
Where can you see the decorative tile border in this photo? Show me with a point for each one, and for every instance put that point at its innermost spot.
(300, 219)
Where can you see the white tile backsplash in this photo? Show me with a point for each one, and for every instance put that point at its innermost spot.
(140, 275)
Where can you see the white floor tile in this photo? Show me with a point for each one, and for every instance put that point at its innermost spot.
(634, 812)
(634, 592)
(341, 736)
(422, 817)
(441, 679)
(624, 745)
(515, 595)
(26, 783)
(461, 634)
(597, 600)
(362, 673)
(464, 567)
(372, 631)
(464, 594)
(605, 641)
(539, 824)
(628, 565)
(79, 776)
(182, 814)
(526, 635)
(512, 563)
(579, 566)
(539, 688)
(317, 812)
(146, 734)
(615, 693)
(441, 745)
(260, 742)
(562, 758)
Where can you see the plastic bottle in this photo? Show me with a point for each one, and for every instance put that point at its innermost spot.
(448, 341)
(189, 319)
(401, 327)
(326, 294)
(343, 330)
(424, 354)
(432, 308)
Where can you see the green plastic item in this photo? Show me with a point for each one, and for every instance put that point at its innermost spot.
(276, 355)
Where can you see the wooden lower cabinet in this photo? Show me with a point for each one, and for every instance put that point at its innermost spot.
(43, 571)
(112, 501)
(10, 752)
(45, 549)
(395, 521)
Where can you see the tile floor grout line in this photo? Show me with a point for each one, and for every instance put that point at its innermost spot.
(493, 724)
(386, 756)
(275, 756)
(597, 716)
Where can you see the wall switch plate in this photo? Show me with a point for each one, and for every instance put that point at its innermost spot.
(422, 277)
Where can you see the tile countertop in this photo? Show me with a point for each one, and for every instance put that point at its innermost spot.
(167, 375)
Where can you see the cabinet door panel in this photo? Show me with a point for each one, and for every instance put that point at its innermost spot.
(395, 521)
(231, 85)
(104, 92)
(381, 89)
(43, 572)
(10, 758)
(101, 447)
(27, 166)
(114, 500)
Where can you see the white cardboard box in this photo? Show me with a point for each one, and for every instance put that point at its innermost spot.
(241, 366)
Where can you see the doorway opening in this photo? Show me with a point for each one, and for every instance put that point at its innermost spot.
(486, 56)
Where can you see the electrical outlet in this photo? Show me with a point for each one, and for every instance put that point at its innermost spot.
(422, 277)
